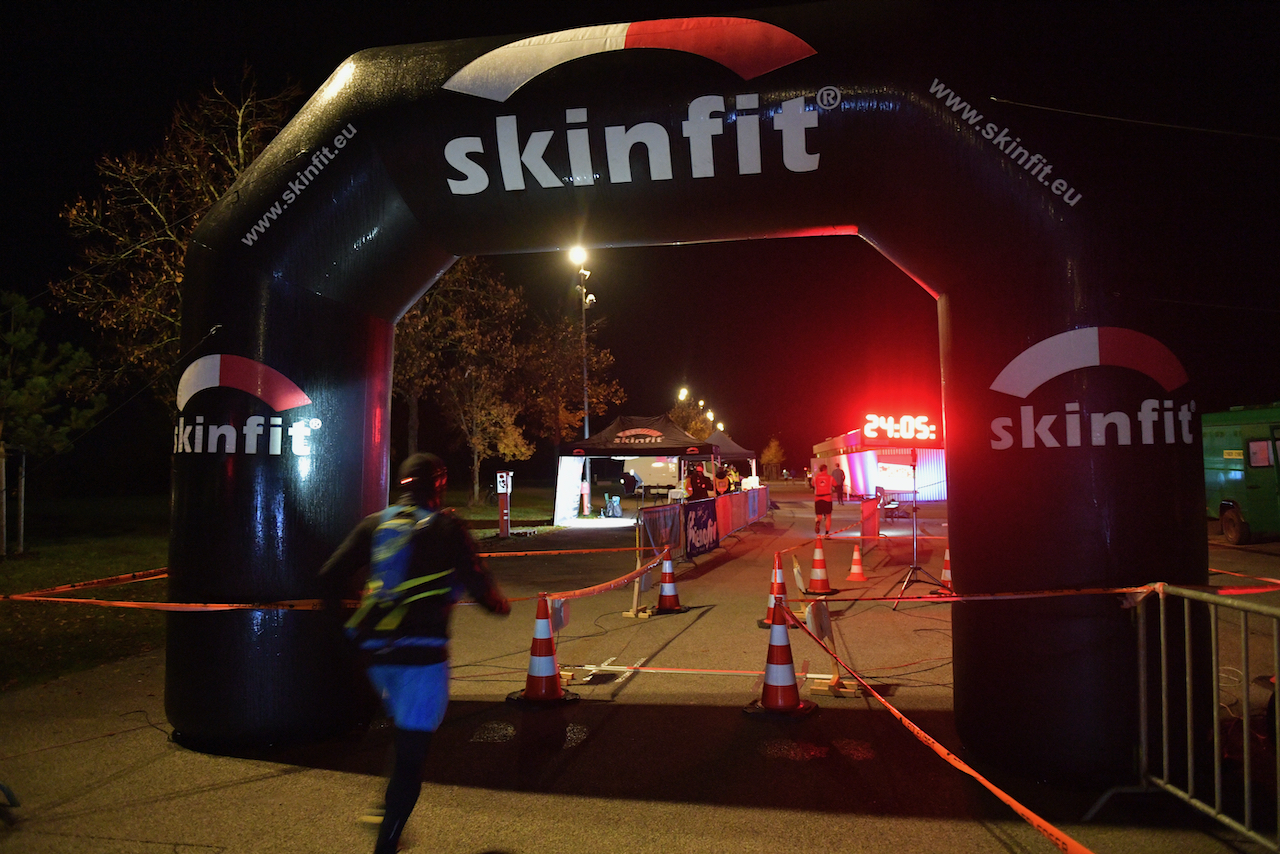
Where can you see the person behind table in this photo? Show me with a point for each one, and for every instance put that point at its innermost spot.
(722, 481)
(822, 485)
(697, 484)
(404, 638)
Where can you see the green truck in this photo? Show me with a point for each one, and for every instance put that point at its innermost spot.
(1241, 466)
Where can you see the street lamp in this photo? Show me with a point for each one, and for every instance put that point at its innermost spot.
(578, 256)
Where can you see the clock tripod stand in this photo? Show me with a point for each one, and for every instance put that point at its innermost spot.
(916, 573)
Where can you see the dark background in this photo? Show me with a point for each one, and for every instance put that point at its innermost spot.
(796, 338)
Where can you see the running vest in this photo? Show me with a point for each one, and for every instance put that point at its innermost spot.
(389, 591)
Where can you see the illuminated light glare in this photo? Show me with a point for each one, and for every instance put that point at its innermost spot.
(578, 255)
(340, 78)
(701, 403)
(304, 467)
(711, 416)
(720, 425)
(684, 394)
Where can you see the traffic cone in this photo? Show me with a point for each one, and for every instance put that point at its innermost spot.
(777, 592)
(781, 695)
(668, 599)
(855, 568)
(542, 685)
(818, 584)
(946, 571)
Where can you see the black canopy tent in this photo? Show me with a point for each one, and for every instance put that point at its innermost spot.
(656, 436)
(727, 449)
(627, 436)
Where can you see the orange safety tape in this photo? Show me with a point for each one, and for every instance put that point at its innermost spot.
(291, 605)
(126, 578)
(559, 552)
(1057, 837)
(1035, 594)
(297, 605)
(608, 585)
(986, 597)
(1242, 575)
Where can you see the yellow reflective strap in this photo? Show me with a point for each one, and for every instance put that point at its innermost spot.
(420, 580)
(392, 621)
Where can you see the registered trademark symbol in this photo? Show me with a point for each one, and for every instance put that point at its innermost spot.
(828, 97)
(315, 423)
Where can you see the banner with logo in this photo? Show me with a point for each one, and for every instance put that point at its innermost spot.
(661, 528)
(700, 535)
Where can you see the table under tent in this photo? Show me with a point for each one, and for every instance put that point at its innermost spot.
(653, 448)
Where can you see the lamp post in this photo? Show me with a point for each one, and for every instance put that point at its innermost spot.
(578, 256)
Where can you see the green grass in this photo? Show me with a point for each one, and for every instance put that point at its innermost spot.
(69, 541)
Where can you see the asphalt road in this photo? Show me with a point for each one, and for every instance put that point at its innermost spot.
(653, 760)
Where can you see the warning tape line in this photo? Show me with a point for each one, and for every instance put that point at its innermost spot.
(559, 552)
(621, 581)
(1061, 840)
(290, 605)
(1242, 575)
(126, 578)
(43, 594)
(1140, 591)
(839, 531)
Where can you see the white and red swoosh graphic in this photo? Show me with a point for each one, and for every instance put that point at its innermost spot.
(749, 48)
(1090, 347)
(222, 370)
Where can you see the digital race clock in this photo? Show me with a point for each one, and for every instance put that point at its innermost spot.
(905, 427)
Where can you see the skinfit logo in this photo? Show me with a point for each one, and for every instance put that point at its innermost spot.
(638, 436)
(263, 382)
(1159, 421)
(749, 48)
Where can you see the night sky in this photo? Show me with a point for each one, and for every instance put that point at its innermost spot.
(751, 327)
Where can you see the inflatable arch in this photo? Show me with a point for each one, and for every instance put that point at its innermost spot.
(1074, 455)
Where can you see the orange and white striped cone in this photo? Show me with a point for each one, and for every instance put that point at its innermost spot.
(777, 592)
(668, 599)
(542, 685)
(855, 568)
(818, 584)
(781, 695)
(946, 571)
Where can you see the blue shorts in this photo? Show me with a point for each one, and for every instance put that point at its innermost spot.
(414, 695)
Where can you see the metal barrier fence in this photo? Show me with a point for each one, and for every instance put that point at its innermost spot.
(1222, 762)
(666, 525)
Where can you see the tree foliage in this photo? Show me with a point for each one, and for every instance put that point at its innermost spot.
(45, 396)
(551, 390)
(692, 419)
(772, 458)
(457, 344)
(498, 378)
(133, 235)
